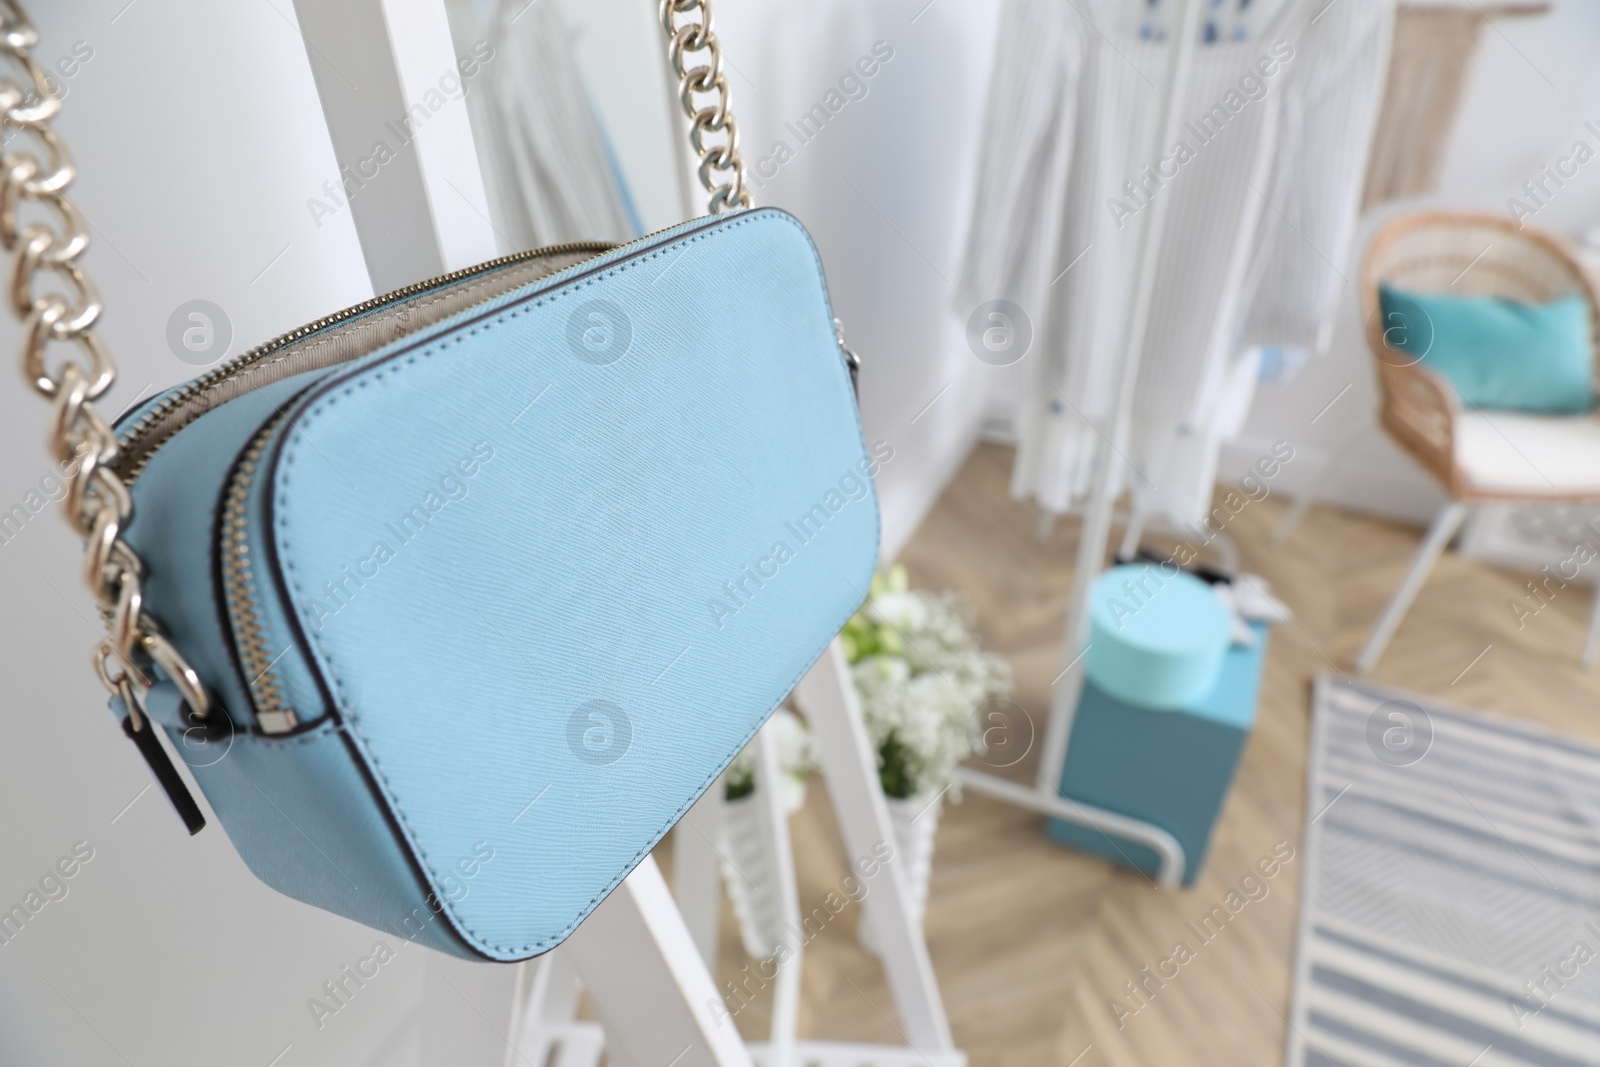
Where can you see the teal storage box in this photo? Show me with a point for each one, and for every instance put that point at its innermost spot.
(1168, 767)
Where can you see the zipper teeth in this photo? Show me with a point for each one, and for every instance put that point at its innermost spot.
(217, 375)
(244, 611)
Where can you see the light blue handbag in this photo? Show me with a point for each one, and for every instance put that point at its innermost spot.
(454, 602)
(486, 607)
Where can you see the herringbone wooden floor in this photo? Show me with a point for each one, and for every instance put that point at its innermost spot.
(1030, 941)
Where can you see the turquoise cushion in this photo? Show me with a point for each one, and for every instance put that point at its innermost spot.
(1157, 636)
(1499, 353)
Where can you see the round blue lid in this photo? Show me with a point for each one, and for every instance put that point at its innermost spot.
(1158, 609)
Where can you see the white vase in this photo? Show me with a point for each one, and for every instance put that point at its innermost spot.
(915, 821)
(746, 872)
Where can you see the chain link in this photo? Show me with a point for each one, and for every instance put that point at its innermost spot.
(37, 169)
(692, 40)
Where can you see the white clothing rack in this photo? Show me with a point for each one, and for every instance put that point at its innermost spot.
(1044, 795)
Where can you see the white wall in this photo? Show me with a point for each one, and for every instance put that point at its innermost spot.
(1533, 84)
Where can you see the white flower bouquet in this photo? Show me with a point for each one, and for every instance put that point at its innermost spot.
(922, 679)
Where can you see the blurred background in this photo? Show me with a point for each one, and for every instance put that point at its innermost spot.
(978, 200)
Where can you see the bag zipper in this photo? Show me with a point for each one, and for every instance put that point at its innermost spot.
(256, 658)
(138, 450)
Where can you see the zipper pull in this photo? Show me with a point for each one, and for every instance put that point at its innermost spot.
(149, 746)
(141, 730)
(851, 360)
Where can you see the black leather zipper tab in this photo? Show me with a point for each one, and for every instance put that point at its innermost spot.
(167, 776)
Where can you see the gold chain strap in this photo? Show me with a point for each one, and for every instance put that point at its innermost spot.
(721, 168)
(98, 506)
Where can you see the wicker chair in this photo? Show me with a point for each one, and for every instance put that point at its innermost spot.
(1476, 456)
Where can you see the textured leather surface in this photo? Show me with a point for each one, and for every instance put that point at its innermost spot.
(306, 823)
(601, 569)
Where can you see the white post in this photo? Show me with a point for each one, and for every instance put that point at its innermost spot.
(834, 714)
(408, 166)
(1097, 520)
(780, 864)
(544, 1029)
(696, 882)
(1132, 534)
(655, 998)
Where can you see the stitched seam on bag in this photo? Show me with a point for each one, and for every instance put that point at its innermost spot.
(352, 717)
(317, 733)
(321, 733)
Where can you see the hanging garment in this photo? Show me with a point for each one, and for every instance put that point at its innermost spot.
(1014, 232)
(1190, 387)
(1264, 185)
(1330, 109)
(547, 166)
